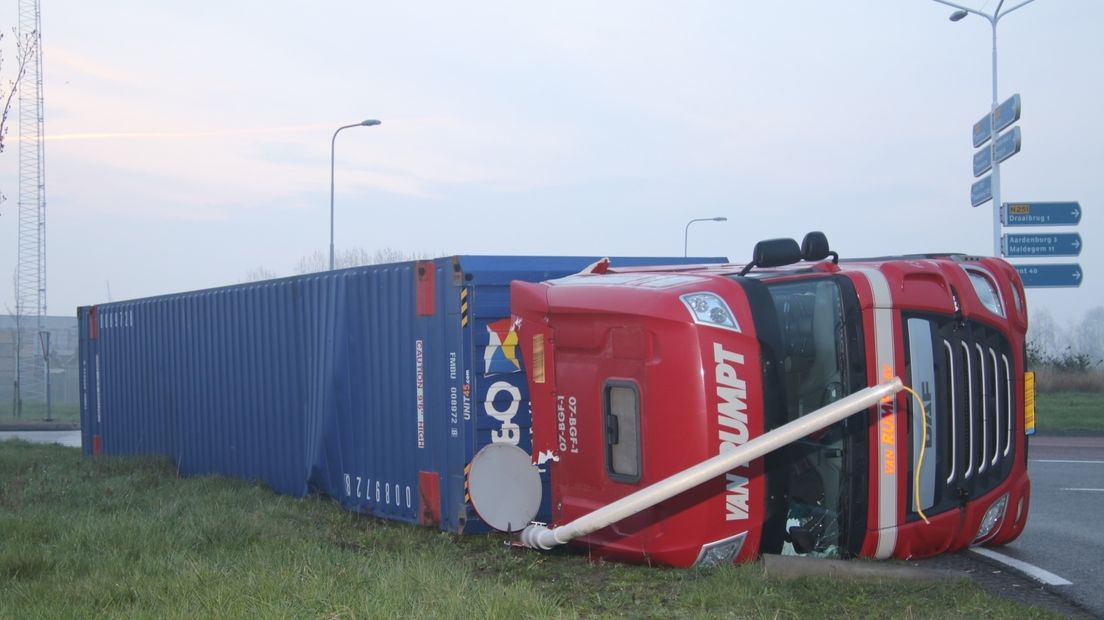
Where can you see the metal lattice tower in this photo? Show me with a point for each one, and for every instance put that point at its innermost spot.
(30, 294)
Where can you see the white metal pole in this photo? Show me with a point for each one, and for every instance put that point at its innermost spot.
(686, 236)
(333, 142)
(365, 123)
(686, 231)
(993, 143)
(993, 126)
(993, 19)
(542, 537)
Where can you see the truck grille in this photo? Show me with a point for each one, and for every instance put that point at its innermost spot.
(973, 411)
(981, 392)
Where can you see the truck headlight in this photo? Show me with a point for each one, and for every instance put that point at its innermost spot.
(709, 309)
(721, 552)
(993, 517)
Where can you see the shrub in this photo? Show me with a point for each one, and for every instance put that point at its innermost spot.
(1065, 360)
(1059, 379)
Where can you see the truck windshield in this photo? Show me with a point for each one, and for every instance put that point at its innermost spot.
(814, 347)
(815, 344)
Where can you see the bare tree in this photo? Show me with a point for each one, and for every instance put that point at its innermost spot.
(260, 273)
(355, 257)
(1089, 340)
(312, 263)
(391, 255)
(1043, 337)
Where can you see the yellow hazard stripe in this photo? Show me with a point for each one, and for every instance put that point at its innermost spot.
(1029, 403)
(463, 307)
(467, 489)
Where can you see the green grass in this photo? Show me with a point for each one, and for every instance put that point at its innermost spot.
(116, 537)
(1069, 413)
(35, 412)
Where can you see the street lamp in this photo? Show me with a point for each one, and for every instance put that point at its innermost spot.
(686, 233)
(365, 123)
(958, 15)
(44, 340)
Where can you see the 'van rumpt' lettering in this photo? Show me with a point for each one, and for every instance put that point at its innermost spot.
(888, 427)
(732, 427)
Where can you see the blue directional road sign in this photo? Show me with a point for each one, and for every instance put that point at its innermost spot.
(1007, 145)
(1005, 114)
(982, 132)
(981, 191)
(1041, 213)
(1042, 244)
(1050, 276)
(983, 161)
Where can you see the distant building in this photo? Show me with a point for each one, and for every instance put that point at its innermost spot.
(64, 381)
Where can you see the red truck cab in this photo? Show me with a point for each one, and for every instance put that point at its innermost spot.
(637, 374)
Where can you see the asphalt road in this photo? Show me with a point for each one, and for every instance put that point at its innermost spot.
(65, 438)
(1065, 528)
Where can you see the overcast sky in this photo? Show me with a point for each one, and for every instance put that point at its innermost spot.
(188, 142)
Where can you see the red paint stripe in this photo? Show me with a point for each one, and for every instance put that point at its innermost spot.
(97, 445)
(429, 485)
(94, 323)
(425, 301)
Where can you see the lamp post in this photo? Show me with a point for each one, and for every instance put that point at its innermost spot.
(686, 233)
(365, 123)
(44, 340)
(958, 15)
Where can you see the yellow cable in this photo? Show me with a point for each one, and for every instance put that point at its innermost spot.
(920, 460)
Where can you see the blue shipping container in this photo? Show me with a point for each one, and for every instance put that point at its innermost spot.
(373, 385)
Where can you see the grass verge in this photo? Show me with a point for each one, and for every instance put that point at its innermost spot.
(1069, 413)
(115, 537)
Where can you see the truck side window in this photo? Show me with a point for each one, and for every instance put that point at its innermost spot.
(622, 415)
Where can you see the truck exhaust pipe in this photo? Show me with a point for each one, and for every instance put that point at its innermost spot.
(541, 537)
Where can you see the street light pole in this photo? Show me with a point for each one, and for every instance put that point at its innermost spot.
(365, 123)
(992, 19)
(44, 340)
(686, 232)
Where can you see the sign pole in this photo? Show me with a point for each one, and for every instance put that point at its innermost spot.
(993, 141)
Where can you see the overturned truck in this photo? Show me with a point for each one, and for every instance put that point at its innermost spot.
(661, 410)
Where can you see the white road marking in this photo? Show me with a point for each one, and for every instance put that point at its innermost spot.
(1059, 461)
(1036, 573)
(1092, 490)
